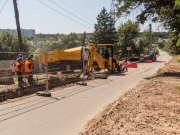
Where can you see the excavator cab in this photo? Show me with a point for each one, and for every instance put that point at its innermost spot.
(102, 57)
(107, 52)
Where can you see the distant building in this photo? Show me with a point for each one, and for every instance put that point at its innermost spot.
(24, 32)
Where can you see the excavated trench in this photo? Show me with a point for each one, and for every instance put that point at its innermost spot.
(12, 91)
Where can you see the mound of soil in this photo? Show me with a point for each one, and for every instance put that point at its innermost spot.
(57, 81)
(154, 109)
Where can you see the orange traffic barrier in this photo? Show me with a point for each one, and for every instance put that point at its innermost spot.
(132, 65)
(148, 61)
(125, 64)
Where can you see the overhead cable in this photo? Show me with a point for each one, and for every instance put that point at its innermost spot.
(75, 10)
(69, 12)
(62, 14)
(3, 6)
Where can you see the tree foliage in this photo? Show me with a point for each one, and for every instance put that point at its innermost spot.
(144, 42)
(127, 33)
(66, 41)
(164, 11)
(9, 43)
(70, 41)
(105, 31)
(157, 10)
(161, 45)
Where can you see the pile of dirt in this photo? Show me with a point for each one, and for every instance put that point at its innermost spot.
(12, 91)
(57, 81)
(154, 109)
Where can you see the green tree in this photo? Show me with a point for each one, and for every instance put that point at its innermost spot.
(50, 46)
(105, 31)
(127, 33)
(44, 48)
(70, 41)
(9, 43)
(144, 42)
(157, 10)
(164, 11)
(65, 42)
(161, 45)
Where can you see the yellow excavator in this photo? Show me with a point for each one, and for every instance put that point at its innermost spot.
(102, 56)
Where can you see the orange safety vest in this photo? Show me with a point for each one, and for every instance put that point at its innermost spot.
(19, 67)
(28, 67)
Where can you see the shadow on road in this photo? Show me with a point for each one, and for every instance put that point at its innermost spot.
(169, 74)
(117, 74)
(160, 61)
(112, 74)
(165, 74)
(147, 78)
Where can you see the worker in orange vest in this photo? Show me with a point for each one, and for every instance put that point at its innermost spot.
(28, 70)
(19, 56)
(19, 70)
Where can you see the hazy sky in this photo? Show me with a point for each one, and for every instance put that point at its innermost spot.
(58, 16)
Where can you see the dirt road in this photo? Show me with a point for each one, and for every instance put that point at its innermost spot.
(69, 109)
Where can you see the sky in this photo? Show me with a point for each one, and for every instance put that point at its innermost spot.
(58, 16)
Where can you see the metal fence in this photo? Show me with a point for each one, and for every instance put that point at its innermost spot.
(49, 72)
(6, 64)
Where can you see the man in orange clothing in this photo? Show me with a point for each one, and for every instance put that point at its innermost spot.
(19, 70)
(28, 70)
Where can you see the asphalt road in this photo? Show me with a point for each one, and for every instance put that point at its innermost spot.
(69, 109)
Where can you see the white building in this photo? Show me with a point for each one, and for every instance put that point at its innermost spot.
(24, 32)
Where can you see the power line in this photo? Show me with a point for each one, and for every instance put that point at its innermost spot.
(49, 23)
(75, 10)
(62, 14)
(69, 12)
(3, 6)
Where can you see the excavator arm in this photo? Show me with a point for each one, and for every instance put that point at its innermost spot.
(95, 57)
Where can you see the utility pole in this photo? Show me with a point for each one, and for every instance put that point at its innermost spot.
(150, 37)
(18, 25)
(84, 38)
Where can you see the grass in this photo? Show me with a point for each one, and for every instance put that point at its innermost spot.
(159, 70)
(177, 87)
(178, 60)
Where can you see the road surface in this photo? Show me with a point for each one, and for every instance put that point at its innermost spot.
(69, 109)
